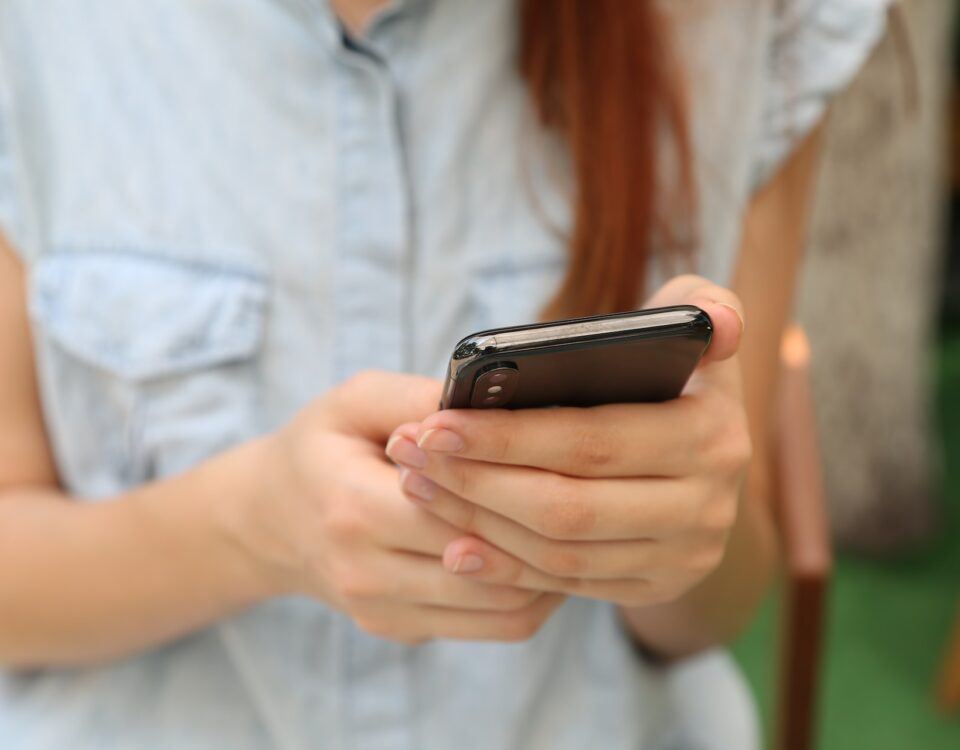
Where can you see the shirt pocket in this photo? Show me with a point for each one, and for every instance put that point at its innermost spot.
(147, 364)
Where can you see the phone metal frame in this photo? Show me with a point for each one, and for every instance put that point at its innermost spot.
(500, 342)
(507, 340)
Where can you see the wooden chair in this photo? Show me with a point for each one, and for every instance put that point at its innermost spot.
(948, 691)
(805, 540)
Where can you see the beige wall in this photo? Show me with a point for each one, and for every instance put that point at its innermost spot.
(870, 290)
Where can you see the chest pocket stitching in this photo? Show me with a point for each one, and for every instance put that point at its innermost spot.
(142, 323)
(145, 318)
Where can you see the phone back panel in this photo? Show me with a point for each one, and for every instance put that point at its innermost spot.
(648, 365)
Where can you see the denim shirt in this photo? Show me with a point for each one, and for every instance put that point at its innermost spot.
(226, 208)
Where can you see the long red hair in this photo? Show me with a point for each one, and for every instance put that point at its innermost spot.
(602, 74)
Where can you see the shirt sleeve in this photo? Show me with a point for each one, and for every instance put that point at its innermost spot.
(816, 48)
(11, 209)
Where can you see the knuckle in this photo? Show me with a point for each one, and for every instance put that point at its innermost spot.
(561, 562)
(301, 449)
(591, 450)
(345, 524)
(502, 441)
(461, 479)
(702, 423)
(737, 446)
(727, 445)
(520, 626)
(712, 511)
(513, 573)
(353, 586)
(509, 573)
(361, 381)
(719, 516)
(742, 444)
(565, 515)
(706, 560)
(469, 518)
(464, 516)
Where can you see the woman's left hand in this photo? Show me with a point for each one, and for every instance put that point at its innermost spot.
(630, 503)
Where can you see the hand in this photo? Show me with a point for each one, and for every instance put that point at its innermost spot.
(331, 522)
(630, 503)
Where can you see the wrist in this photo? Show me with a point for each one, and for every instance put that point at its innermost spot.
(189, 523)
(246, 517)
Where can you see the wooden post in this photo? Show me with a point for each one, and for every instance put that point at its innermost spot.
(807, 552)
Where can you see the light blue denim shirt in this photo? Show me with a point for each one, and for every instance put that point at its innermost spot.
(225, 209)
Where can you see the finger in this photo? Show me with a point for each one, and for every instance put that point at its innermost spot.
(615, 440)
(500, 567)
(718, 371)
(563, 507)
(558, 559)
(408, 430)
(381, 512)
(722, 306)
(518, 625)
(423, 580)
(372, 403)
(417, 623)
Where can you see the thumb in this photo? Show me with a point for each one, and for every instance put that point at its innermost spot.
(373, 403)
(721, 305)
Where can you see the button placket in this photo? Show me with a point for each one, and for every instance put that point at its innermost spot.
(371, 255)
(371, 317)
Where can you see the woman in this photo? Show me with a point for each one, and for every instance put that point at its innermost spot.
(216, 215)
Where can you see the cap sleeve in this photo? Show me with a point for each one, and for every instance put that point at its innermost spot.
(816, 48)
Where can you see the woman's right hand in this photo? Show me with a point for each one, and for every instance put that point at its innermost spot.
(328, 519)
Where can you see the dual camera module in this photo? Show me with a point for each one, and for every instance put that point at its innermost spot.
(495, 386)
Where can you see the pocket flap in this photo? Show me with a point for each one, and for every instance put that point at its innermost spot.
(147, 317)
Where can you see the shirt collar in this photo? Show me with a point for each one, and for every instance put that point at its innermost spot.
(332, 30)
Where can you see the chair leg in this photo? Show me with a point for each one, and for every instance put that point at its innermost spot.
(800, 661)
(808, 558)
(949, 689)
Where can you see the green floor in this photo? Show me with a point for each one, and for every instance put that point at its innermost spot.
(888, 623)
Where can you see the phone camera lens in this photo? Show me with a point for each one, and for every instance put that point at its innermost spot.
(495, 387)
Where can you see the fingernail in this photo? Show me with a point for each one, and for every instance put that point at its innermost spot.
(417, 485)
(735, 312)
(441, 441)
(467, 564)
(404, 451)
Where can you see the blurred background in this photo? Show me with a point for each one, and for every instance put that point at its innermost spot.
(885, 259)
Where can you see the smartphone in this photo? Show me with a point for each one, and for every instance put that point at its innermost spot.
(643, 356)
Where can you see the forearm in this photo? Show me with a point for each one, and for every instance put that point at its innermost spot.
(717, 609)
(84, 582)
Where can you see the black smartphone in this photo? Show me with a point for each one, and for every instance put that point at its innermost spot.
(643, 356)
